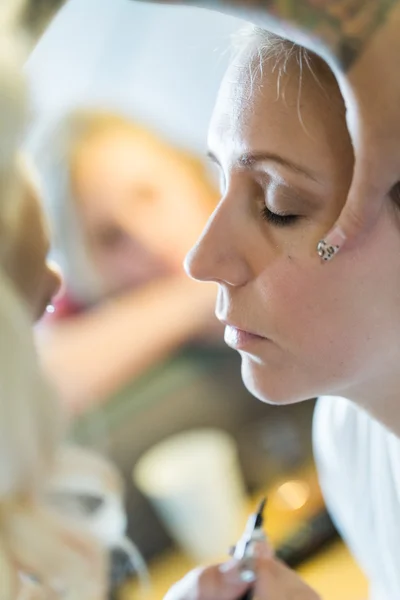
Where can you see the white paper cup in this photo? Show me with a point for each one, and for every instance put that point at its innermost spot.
(194, 482)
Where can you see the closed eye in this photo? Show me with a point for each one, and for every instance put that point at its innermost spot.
(278, 220)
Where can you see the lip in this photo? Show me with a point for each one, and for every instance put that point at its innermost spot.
(240, 339)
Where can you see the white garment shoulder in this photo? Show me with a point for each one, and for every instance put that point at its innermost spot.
(358, 461)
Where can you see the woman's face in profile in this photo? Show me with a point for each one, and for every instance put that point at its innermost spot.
(140, 208)
(286, 164)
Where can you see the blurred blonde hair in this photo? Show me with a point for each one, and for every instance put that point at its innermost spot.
(34, 540)
(87, 124)
(36, 544)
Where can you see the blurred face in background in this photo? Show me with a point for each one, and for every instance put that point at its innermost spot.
(141, 206)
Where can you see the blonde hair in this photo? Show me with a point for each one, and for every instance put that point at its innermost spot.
(87, 124)
(35, 542)
(55, 154)
(33, 539)
(263, 47)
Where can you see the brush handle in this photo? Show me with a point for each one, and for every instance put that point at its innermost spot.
(253, 533)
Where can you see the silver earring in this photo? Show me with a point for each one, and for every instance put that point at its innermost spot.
(326, 251)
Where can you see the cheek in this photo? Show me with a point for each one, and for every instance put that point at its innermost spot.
(307, 354)
(319, 314)
(330, 322)
(300, 297)
(128, 266)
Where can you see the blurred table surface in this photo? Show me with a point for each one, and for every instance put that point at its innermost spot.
(333, 573)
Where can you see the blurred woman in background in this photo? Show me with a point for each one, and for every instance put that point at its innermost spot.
(125, 207)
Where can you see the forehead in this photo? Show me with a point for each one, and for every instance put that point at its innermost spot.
(259, 108)
(115, 155)
(105, 146)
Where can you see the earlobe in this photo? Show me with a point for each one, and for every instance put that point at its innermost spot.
(326, 251)
(331, 244)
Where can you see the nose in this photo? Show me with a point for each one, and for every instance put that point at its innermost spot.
(55, 279)
(219, 254)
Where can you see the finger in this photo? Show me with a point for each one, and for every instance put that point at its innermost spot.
(261, 549)
(275, 581)
(222, 581)
(370, 185)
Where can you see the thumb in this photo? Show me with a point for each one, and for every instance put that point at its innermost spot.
(364, 202)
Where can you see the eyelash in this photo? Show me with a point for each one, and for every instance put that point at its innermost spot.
(278, 220)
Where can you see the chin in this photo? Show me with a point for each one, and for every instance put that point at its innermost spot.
(270, 387)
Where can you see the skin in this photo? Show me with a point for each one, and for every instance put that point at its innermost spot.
(359, 39)
(374, 140)
(329, 330)
(132, 219)
(321, 334)
(37, 279)
(274, 581)
(25, 262)
(132, 195)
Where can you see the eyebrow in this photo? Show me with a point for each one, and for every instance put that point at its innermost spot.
(249, 160)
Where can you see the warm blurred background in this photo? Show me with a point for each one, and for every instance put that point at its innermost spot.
(123, 92)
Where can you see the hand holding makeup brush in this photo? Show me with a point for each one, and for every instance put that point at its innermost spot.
(253, 572)
(271, 580)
